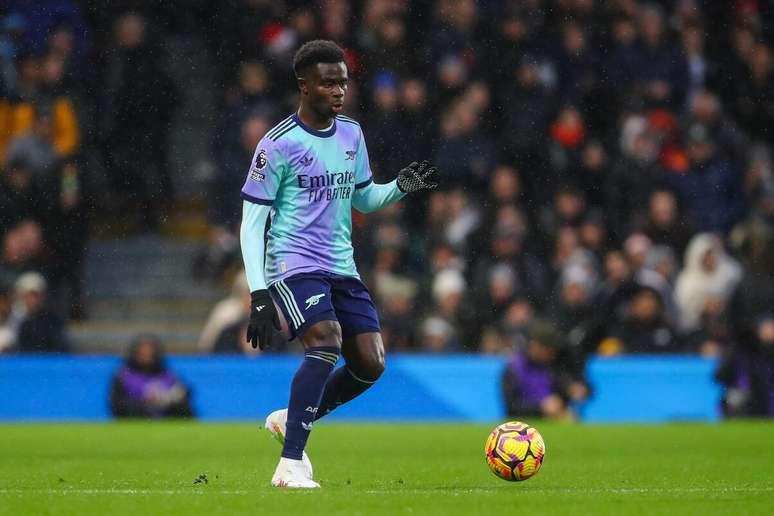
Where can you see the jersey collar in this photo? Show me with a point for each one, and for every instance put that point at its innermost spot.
(314, 132)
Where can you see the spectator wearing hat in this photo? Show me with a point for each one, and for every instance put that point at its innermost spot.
(40, 330)
(145, 388)
(536, 381)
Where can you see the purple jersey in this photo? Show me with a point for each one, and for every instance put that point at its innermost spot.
(309, 178)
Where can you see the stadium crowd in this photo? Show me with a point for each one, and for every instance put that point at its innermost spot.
(607, 187)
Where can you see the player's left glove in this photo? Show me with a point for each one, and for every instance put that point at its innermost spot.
(263, 318)
(417, 176)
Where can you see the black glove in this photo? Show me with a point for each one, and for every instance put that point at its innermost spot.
(417, 176)
(263, 318)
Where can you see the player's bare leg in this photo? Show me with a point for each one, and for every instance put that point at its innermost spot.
(322, 342)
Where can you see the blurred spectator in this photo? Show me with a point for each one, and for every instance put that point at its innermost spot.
(50, 114)
(701, 70)
(572, 308)
(712, 188)
(40, 330)
(438, 336)
(226, 312)
(754, 93)
(396, 300)
(658, 273)
(528, 277)
(707, 281)
(660, 71)
(34, 150)
(415, 112)
(577, 66)
(250, 97)
(137, 89)
(754, 295)
(9, 320)
(24, 210)
(536, 383)
(665, 224)
(634, 175)
(463, 154)
(748, 374)
(644, 327)
(616, 288)
(145, 388)
(450, 324)
(592, 172)
(528, 105)
(385, 125)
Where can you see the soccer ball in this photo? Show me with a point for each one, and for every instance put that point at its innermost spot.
(515, 451)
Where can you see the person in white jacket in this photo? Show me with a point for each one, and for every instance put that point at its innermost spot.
(706, 281)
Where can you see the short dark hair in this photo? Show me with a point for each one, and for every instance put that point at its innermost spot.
(316, 51)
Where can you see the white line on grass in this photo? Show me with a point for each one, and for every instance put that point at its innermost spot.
(579, 491)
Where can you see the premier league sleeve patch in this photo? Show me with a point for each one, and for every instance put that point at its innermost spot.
(258, 165)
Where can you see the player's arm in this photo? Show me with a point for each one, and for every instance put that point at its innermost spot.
(370, 196)
(258, 193)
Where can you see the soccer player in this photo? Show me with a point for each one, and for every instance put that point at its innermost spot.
(308, 172)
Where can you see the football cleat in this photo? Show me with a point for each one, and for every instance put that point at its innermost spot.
(276, 425)
(292, 474)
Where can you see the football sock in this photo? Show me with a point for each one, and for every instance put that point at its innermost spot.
(343, 385)
(305, 393)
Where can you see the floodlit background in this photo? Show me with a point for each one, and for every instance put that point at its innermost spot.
(600, 246)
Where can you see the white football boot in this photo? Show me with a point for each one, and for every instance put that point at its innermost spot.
(292, 473)
(276, 424)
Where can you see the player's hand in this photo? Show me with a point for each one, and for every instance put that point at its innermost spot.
(263, 320)
(417, 176)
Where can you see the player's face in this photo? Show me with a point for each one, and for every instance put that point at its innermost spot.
(326, 87)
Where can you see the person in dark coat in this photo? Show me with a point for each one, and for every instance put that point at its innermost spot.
(145, 388)
(40, 330)
(711, 190)
(138, 90)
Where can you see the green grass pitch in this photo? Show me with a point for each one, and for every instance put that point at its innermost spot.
(151, 468)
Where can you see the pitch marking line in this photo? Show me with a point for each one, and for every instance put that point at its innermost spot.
(194, 490)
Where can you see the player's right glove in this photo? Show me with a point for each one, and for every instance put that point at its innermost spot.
(263, 320)
(417, 176)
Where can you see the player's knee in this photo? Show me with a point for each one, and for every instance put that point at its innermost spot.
(375, 368)
(371, 367)
(323, 333)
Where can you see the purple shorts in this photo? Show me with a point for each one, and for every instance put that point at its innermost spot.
(308, 298)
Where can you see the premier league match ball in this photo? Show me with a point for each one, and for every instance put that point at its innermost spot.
(515, 451)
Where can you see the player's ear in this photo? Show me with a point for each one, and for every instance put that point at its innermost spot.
(302, 85)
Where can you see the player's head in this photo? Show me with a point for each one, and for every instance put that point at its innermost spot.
(322, 76)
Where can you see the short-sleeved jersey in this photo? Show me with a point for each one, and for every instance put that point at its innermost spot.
(309, 177)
